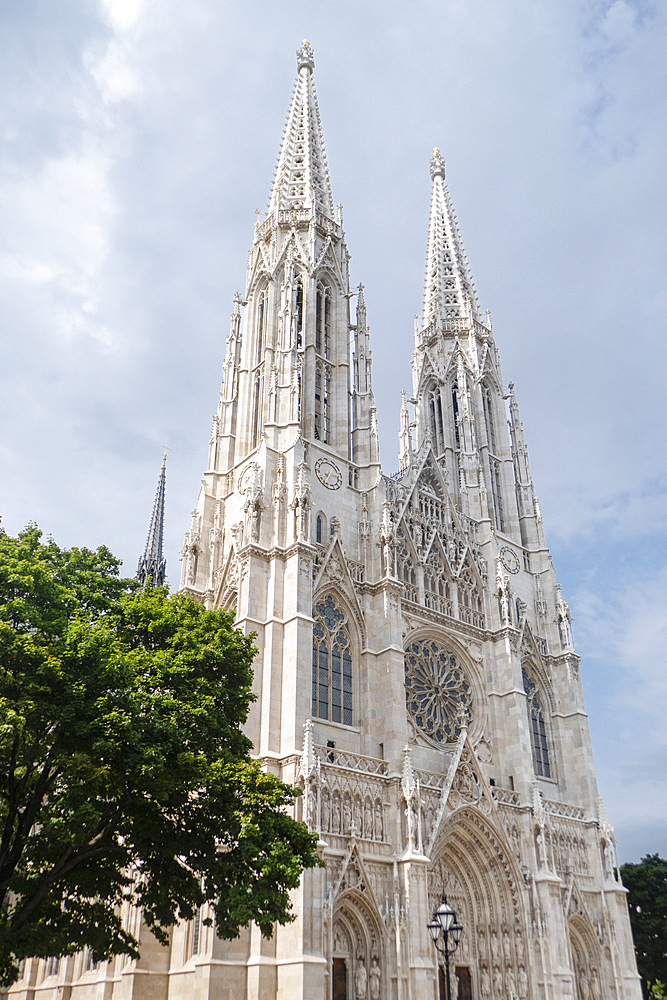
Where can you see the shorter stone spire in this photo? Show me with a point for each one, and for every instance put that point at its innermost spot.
(152, 568)
(449, 291)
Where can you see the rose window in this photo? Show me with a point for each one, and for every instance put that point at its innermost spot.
(437, 694)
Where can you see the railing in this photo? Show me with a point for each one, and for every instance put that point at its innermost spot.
(443, 605)
(356, 570)
(505, 796)
(471, 617)
(563, 809)
(352, 761)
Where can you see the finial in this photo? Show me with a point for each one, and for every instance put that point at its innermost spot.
(305, 58)
(437, 164)
(165, 449)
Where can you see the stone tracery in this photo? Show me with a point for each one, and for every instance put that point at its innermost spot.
(438, 695)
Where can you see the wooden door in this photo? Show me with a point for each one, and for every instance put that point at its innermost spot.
(339, 979)
(465, 982)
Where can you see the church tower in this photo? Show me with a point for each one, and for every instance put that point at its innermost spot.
(416, 673)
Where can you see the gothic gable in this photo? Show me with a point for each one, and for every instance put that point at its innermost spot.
(329, 261)
(333, 576)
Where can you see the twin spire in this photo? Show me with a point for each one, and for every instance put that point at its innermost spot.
(302, 182)
(449, 291)
(302, 175)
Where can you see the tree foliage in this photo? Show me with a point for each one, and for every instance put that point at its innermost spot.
(646, 883)
(125, 775)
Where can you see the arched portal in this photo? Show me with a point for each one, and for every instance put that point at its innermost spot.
(473, 866)
(357, 959)
(586, 959)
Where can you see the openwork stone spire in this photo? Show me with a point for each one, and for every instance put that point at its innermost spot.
(152, 566)
(449, 290)
(302, 175)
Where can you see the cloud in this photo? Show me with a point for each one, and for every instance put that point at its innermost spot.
(138, 138)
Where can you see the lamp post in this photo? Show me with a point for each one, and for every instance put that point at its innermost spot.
(445, 931)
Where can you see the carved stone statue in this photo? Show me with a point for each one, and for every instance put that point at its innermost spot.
(375, 976)
(584, 987)
(595, 985)
(495, 950)
(485, 984)
(360, 980)
(523, 983)
(497, 983)
(336, 815)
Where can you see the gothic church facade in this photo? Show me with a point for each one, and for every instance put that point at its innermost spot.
(415, 673)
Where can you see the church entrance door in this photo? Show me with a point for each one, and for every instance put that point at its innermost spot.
(339, 979)
(465, 982)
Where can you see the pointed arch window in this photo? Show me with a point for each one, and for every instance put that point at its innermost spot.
(261, 320)
(323, 320)
(321, 429)
(256, 395)
(332, 664)
(538, 730)
(320, 529)
(497, 493)
(298, 314)
(455, 413)
(435, 418)
(489, 419)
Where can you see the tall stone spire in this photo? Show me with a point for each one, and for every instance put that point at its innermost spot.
(449, 291)
(302, 175)
(152, 566)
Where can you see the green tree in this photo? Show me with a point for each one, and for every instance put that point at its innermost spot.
(124, 771)
(646, 883)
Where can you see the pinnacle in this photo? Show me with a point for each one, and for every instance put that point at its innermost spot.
(449, 289)
(437, 164)
(302, 175)
(305, 58)
(152, 565)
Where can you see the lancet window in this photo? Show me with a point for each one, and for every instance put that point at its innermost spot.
(320, 529)
(298, 314)
(489, 419)
(455, 413)
(497, 493)
(256, 396)
(321, 401)
(323, 320)
(538, 730)
(435, 419)
(261, 320)
(195, 938)
(332, 663)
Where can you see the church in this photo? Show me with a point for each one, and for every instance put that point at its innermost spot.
(416, 675)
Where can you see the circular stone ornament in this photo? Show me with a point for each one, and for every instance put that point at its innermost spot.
(438, 696)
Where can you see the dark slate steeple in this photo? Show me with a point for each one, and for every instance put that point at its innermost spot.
(152, 568)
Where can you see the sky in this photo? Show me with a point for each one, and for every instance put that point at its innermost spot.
(139, 136)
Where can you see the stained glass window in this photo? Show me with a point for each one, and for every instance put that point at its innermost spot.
(332, 664)
(538, 730)
(438, 696)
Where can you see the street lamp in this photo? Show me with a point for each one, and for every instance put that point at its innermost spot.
(445, 931)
